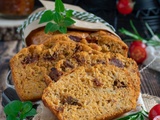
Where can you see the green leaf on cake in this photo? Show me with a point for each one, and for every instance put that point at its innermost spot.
(68, 21)
(51, 27)
(46, 17)
(59, 19)
(59, 6)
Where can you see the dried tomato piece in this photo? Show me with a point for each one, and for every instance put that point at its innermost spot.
(55, 74)
(116, 62)
(75, 38)
(30, 59)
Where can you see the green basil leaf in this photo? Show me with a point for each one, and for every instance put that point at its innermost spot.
(27, 106)
(63, 29)
(9, 112)
(22, 116)
(12, 118)
(32, 112)
(59, 6)
(46, 17)
(51, 27)
(69, 13)
(57, 17)
(13, 108)
(68, 22)
(61, 17)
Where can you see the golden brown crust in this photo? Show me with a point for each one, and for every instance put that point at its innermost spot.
(101, 40)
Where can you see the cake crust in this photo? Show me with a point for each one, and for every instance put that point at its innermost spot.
(102, 41)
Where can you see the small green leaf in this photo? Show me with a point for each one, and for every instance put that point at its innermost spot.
(27, 106)
(69, 13)
(51, 27)
(57, 17)
(68, 22)
(13, 108)
(60, 16)
(59, 6)
(32, 112)
(63, 29)
(46, 17)
(12, 118)
(22, 116)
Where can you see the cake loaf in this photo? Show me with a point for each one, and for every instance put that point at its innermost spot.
(29, 66)
(100, 40)
(100, 92)
(85, 59)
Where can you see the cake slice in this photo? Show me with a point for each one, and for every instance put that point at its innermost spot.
(100, 92)
(87, 59)
(29, 66)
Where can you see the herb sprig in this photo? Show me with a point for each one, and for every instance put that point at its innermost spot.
(17, 110)
(141, 115)
(59, 19)
(136, 35)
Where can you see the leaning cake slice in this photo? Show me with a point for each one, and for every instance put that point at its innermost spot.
(91, 93)
(84, 58)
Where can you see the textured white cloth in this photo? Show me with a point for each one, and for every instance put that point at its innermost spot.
(153, 56)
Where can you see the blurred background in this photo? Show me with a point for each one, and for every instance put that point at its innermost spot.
(142, 11)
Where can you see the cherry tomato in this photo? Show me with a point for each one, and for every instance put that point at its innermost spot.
(125, 6)
(154, 113)
(137, 51)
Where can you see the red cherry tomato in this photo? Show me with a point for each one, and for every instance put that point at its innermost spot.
(125, 6)
(137, 51)
(154, 113)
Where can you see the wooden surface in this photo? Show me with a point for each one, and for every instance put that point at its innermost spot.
(150, 82)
